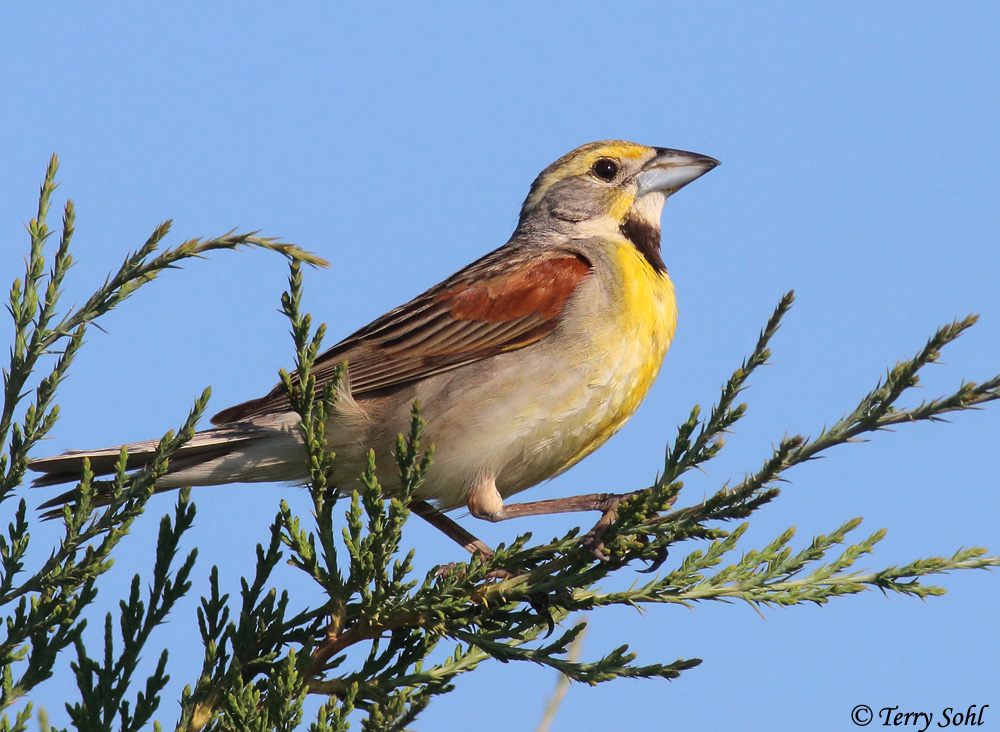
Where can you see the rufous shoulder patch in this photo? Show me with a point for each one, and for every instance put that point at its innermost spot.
(539, 288)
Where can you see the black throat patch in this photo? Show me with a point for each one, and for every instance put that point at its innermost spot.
(646, 238)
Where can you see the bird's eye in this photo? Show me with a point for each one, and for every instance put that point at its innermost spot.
(606, 169)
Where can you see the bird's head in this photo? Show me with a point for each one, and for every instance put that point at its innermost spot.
(610, 187)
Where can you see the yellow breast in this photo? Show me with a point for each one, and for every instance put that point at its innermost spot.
(631, 349)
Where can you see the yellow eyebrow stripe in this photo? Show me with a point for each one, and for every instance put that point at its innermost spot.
(580, 161)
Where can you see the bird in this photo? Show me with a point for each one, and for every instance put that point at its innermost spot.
(524, 362)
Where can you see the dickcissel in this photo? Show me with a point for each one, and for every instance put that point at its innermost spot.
(524, 362)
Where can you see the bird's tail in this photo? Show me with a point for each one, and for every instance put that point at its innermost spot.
(234, 453)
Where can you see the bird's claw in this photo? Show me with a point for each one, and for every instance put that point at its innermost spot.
(657, 561)
(446, 569)
(541, 603)
(594, 540)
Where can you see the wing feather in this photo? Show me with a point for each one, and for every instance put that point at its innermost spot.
(505, 301)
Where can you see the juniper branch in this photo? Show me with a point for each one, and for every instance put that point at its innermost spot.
(49, 602)
(376, 643)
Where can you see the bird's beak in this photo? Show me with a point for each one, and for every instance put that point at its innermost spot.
(671, 170)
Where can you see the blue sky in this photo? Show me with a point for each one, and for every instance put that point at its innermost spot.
(859, 146)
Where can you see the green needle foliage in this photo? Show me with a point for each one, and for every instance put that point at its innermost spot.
(384, 641)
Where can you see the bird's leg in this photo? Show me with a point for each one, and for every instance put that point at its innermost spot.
(589, 502)
(456, 533)
(450, 528)
(607, 503)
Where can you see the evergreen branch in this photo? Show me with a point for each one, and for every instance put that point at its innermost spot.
(768, 576)
(104, 685)
(238, 652)
(685, 454)
(65, 584)
(302, 395)
(876, 411)
(20, 720)
(49, 602)
(32, 314)
(138, 270)
(374, 643)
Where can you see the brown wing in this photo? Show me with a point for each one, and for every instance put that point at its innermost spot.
(505, 301)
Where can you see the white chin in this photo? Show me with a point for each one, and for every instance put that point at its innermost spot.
(649, 207)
